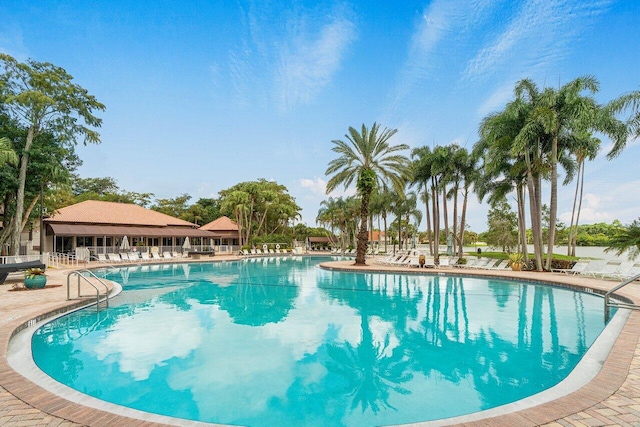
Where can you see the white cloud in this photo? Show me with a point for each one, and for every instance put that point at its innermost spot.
(497, 100)
(442, 23)
(138, 349)
(318, 187)
(540, 33)
(307, 62)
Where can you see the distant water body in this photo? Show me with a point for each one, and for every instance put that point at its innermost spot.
(595, 252)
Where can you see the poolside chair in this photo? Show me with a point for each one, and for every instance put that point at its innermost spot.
(253, 252)
(271, 251)
(402, 260)
(245, 252)
(113, 257)
(577, 268)
(632, 271)
(444, 262)
(612, 269)
(102, 258)
(145, 256)
(502, 265)
(594, 268)
(156, 256)
(167, 255)
(477, 263)
(133, 256)
(278, 251)
(175, 254)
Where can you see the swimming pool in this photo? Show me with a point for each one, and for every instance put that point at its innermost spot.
(280, 341)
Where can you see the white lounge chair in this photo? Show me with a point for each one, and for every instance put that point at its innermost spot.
(167, 255)
(577, 268)
(114, 257)
(594, 268)
(245, 252)
(612, 269)
(175, 254)
(502, 265)
(133, 256)
(632, 271)
(102, 258)
(156, 256)
(481, 263)
(403, 260)
(145, 256)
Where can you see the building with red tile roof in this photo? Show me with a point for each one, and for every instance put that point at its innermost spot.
(101, 226)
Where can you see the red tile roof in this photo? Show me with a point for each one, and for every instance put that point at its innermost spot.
(99, 212)
(221, 224)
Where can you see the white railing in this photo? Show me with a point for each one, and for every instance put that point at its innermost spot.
(56, 259)
(10, 259)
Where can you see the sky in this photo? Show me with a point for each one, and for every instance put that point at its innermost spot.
(203, 95)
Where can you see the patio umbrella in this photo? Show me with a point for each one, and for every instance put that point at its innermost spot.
(187, 244)
(124, 246)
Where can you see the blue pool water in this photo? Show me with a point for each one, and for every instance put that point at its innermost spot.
(279, 341)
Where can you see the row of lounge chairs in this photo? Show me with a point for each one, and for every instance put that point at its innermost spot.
(138, 257)
(276, 251)
(603, 269)
(412, 259)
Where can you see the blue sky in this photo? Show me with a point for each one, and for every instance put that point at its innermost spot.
(202, 95)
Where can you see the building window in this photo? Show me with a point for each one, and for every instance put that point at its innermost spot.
(84, 241)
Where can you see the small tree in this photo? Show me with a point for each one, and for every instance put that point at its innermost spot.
(503, 226)
(42, 97)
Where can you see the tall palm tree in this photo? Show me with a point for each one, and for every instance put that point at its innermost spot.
(366, 158)
(422, 177)
(559, 116)
(586, 149)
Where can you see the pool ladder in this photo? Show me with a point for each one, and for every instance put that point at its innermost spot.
(81, 276)
(608, 303)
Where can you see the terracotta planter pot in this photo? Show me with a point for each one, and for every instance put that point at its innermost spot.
(35, 282)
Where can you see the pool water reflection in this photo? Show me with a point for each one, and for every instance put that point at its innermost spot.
(277, 341)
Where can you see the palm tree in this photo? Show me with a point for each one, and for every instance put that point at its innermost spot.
(366, 158)
(422, 177)
(626, 238)
(503, 171)
(586, 149)
(559, 116)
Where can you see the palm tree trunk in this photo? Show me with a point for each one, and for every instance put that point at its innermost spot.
(436, 220)
(522, 223)
(575, 234)
(455, 215)
(384, 220)
(573, 212)
(361, 248)
(426, 205)
(553, 204)
(463, 219)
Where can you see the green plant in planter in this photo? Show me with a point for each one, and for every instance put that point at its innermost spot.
(516, 261)
(35, 278)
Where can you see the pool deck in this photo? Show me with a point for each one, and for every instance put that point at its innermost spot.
(612, 398)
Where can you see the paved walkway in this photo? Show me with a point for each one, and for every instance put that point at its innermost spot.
(611, 399)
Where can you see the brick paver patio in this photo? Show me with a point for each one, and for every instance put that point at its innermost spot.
(612, 398)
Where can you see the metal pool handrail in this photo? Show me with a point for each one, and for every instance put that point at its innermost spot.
(80, 274)
(607, 297)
